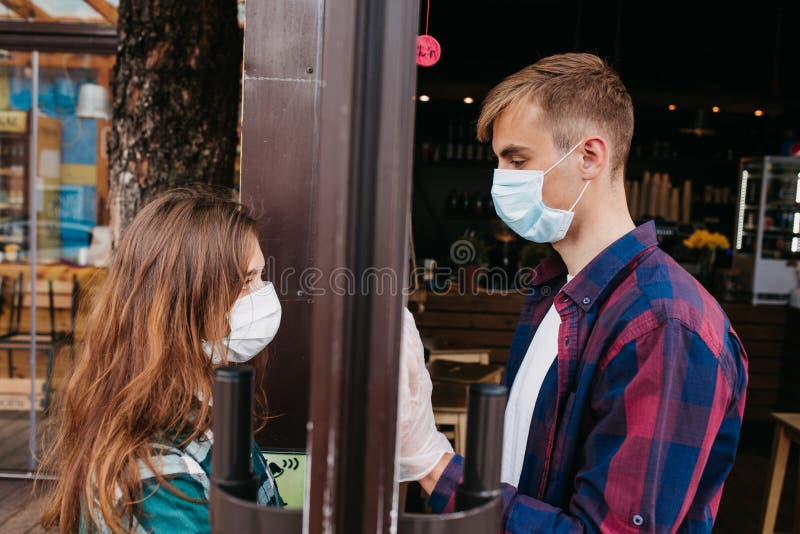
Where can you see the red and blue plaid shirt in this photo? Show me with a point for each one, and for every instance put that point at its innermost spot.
(637, 423)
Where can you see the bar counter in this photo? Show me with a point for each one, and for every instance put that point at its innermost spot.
(487, 321)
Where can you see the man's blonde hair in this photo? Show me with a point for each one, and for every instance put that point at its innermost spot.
(575, 92)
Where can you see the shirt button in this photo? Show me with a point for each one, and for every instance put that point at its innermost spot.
(566, 341)
(638, 520)
(564, 299)
(586, 300)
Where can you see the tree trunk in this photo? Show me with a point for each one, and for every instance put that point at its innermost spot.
(176, 90)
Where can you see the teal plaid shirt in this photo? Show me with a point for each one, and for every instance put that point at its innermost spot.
(188, 470)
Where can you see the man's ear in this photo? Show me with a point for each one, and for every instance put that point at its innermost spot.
(594, 157)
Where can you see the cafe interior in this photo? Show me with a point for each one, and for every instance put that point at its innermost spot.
(715, 162)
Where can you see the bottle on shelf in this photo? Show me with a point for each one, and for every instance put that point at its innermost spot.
(5, 155)
(453, 203)
(17, 179)
(479, 152)
(644, 195)
(449, 151)
(460, 140)
(664, 197)
(686, 202)
(634, 202)
(425, 152)
(469, 151)
(674, 204)
(478, 204)
(436, 157)
(652, 196)
(466, 203)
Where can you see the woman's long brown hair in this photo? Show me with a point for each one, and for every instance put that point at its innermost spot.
(175, 274)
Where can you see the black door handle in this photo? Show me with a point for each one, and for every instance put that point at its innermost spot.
(233, 506)
(233, 485)
(479, 498)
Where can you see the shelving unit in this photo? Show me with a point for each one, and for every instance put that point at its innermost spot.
(14, 128)
(768, 226)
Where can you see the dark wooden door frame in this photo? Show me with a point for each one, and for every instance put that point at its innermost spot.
(326, 161)
(365, 158)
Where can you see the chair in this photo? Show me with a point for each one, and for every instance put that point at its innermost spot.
(54, 296)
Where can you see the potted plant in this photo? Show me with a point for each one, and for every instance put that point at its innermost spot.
(706, 244)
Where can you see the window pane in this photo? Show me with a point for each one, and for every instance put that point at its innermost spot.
(67, 163)
(104, 13)
(15, 374)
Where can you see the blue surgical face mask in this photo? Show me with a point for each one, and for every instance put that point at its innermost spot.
(518, 200)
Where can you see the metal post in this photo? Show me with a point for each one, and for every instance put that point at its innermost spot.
(33, 175)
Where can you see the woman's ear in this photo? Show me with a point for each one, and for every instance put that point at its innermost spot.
(594, 157)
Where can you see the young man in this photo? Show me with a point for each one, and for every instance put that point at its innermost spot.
(627, 382)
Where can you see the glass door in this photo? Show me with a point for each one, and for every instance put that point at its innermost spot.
(18, 385)
(54, 115)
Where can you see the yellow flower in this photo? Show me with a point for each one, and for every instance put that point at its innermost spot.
(708, 240)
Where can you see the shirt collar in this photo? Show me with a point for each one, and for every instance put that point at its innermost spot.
(550, 268)
(597, 275)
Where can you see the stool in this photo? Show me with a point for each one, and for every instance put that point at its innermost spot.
(787, 431)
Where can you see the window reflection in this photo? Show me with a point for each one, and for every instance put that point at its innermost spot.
(104, 12)
(54, 170)
(72, 164)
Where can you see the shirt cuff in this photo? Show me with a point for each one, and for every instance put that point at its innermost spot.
(442, 500)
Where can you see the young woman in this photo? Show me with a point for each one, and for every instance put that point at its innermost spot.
(183, 294)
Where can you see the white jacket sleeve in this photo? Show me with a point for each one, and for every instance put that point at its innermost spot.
(419, 444)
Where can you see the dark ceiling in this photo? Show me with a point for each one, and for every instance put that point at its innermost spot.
(737, 55)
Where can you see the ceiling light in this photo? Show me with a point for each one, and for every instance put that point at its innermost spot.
(424, 98)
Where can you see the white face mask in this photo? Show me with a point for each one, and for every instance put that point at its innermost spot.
(254, 321)
(517, 196)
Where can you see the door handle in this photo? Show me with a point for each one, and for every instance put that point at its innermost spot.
(233, 506)
(479, 499)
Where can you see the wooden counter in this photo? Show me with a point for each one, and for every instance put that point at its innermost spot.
(467, 322)
(488, 320)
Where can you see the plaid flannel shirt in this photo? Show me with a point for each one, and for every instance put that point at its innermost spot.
(188, 469)
(637, 423)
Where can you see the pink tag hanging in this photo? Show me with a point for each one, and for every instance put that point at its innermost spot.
(428, 51)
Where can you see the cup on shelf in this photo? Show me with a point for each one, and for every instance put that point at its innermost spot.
(11, 251)
(83, 256)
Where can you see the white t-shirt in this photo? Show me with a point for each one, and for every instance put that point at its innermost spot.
(541, 354)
